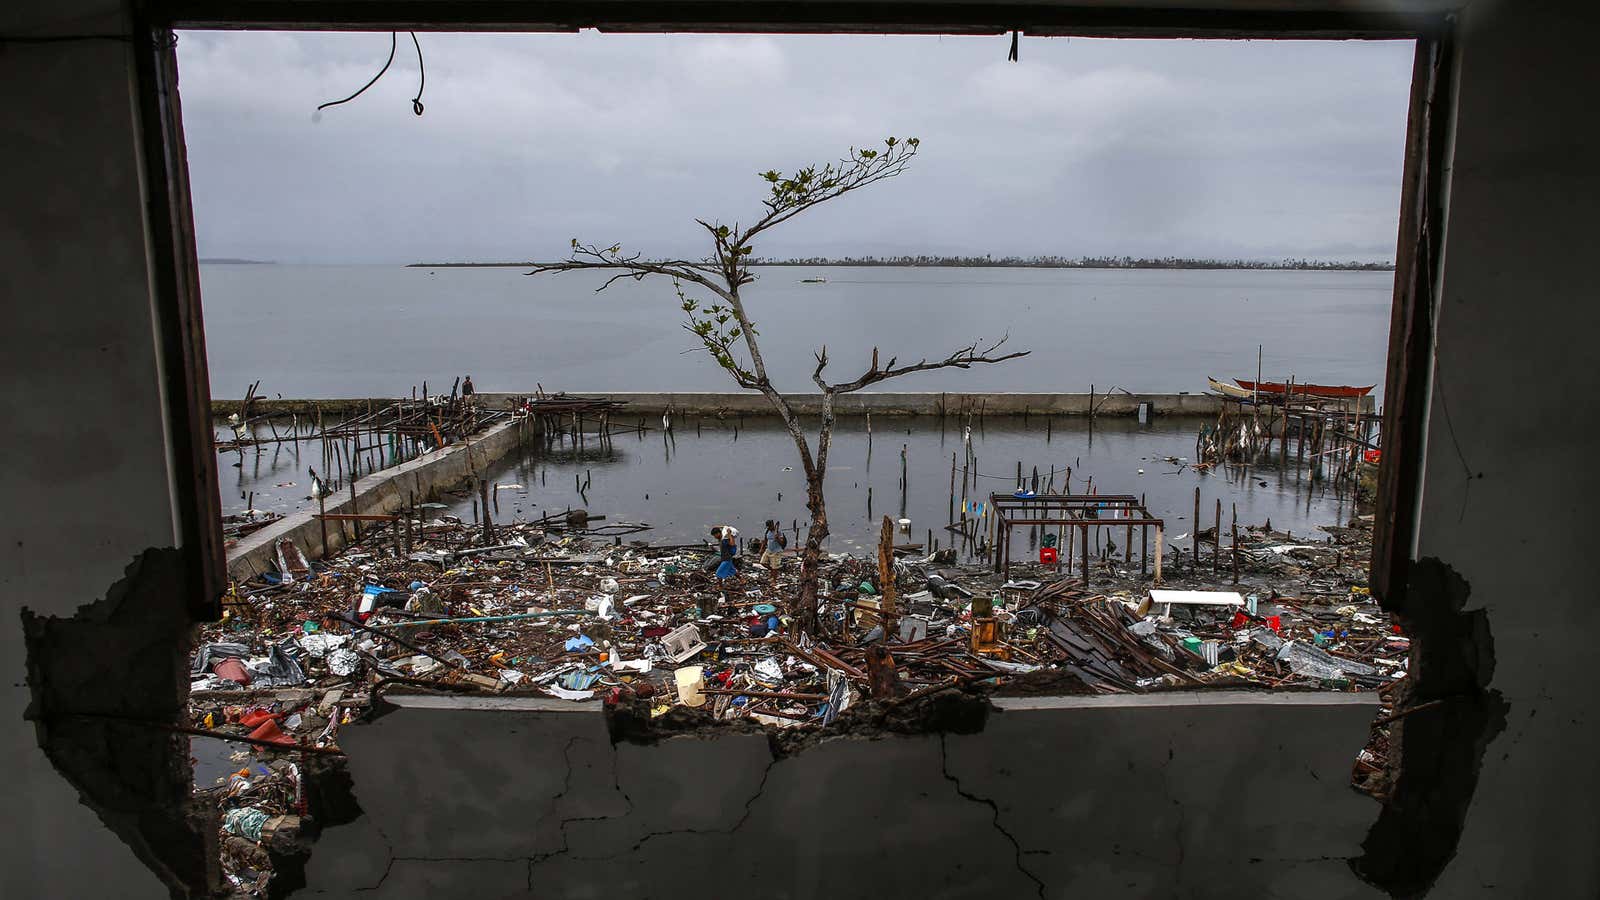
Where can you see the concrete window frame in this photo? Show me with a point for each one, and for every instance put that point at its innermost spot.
(175, 260)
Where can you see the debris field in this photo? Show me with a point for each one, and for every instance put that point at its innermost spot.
(548, 609)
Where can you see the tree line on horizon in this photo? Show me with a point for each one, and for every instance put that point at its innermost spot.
(1026, 262)
(1081, 262)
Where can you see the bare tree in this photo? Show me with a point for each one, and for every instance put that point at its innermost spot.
(729, 335)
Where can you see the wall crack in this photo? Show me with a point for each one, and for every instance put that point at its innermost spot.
(994, 808)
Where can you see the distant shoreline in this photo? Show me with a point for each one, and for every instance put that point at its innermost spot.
(968, 263)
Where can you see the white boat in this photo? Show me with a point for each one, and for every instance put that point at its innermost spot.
(815, 279)
(1229, 390)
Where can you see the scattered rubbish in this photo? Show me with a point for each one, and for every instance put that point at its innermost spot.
(691, 682)
(1319, 663)
(540, 616)
(246, 822)
(682, 643)
(564, 694)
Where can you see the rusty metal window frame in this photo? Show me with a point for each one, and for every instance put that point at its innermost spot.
(172, 223)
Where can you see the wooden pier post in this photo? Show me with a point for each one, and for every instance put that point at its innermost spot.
(1158, 555)
(1235, 543)
(1196, 530)
(1085, 552)
(952, 517)
(1216, 544)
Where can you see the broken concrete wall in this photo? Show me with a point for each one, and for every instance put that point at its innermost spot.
(381, 493)
(85, 481)
(1509, 497)
(1227, 794)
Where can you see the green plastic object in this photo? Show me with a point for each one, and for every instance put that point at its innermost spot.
(1192, 644)
(1047, 540)
(866, 588)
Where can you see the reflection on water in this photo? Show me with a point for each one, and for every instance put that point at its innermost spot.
(275, 475)
(712, 472)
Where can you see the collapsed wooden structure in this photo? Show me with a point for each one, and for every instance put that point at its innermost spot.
(566, 416)
(1073, 516)
(1334, 435)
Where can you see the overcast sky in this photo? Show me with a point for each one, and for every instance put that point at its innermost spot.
(1084, 147)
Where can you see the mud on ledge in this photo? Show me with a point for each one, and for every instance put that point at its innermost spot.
(962, 710)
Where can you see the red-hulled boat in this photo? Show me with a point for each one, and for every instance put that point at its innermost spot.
(1330, 392)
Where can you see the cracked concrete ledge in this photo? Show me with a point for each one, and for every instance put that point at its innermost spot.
(1367, 700)
(515, 797)
(490, 702)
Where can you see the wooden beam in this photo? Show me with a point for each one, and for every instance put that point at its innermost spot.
(1405, 397)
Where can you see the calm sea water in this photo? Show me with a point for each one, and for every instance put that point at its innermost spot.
(709, 472)
(343, 331)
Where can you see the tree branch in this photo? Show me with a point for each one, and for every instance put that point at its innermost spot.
(813, 185)
(794, 194)
(964, 358)
(822, 363)
(588, 256)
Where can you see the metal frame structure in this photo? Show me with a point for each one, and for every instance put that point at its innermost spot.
(1074, 515)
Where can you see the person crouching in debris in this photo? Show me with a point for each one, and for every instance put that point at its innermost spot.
(772, 545)
(727, 551)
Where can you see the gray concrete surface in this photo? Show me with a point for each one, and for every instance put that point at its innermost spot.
(1517, 296)
(86, 484)
(1105, 797)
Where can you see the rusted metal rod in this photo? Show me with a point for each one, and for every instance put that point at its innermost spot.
(205, 732)
(765, 695)
(1401, 714)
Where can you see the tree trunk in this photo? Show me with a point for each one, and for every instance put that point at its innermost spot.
(805, 613)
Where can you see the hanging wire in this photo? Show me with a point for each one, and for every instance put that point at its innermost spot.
(416, 102)
(370, 83)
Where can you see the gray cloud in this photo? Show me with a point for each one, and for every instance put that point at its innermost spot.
(1258, 149)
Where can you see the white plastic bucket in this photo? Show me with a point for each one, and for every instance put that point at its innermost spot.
(690, 680)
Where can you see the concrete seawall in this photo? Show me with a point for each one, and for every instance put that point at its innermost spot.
(928, 403)
(380, 493)
(907, 403)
